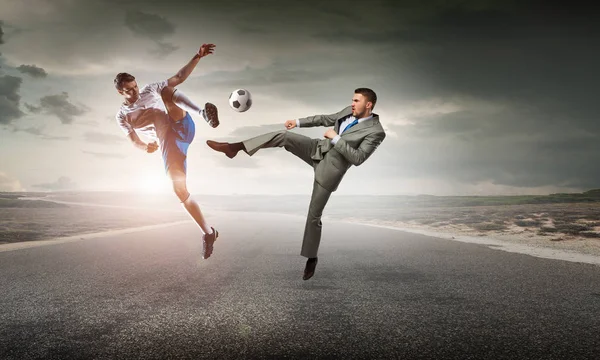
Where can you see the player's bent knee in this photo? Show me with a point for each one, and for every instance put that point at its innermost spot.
(179, 185)
(181, 192)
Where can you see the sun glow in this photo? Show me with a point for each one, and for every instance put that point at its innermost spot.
(153, 183)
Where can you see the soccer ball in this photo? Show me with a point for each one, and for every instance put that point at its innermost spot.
(240, 100)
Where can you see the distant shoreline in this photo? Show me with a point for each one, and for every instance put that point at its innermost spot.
(528, 248)
(572, 228)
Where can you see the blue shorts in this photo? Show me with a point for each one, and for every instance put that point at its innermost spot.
(175, 144)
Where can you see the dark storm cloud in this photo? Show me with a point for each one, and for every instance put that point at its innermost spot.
(151, 26)
(104, 155)
(33, 71)
(497, 52)
(1, 33)
(63, 183)
(102, 138)
(9, 99)
(60, 106)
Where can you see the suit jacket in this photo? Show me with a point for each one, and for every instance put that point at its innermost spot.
(354, 147)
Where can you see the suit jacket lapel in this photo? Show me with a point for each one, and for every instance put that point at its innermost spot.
(336, 127)
(362, 124)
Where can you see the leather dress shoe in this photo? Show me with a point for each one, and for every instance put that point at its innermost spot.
(309, 270)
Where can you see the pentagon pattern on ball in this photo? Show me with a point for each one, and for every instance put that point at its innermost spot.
(240, 100)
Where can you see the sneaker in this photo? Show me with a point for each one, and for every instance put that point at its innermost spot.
(211, 115)
(207, 243)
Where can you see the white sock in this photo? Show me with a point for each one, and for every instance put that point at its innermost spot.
(184, 102)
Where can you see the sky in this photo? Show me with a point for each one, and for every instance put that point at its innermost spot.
(476, 97)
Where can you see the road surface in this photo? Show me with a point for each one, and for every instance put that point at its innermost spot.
(377, 293)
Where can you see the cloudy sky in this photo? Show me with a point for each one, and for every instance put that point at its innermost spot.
(477, 97)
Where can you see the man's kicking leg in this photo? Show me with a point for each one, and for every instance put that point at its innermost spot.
(299, 145)
(174, 154)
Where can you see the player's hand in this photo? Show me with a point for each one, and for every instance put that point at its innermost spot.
(330, 134)
(290, 124)
(152, 147)
(206, 49)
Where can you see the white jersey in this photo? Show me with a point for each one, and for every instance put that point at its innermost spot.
(148, 115)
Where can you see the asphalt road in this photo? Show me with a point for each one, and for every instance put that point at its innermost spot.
(377, 293)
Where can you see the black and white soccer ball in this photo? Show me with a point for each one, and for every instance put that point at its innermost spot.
(240, 100)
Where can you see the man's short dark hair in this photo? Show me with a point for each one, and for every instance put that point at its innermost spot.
(369, 94)
(122, 78)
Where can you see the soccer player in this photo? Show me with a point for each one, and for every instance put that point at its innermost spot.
(164, 113)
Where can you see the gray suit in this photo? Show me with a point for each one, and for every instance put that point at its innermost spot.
(330, 162)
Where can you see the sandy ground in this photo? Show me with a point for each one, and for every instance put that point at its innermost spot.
(515, 239)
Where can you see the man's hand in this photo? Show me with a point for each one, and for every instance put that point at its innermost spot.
(206, 49)
(330, 134)
(290, 124)
(152, 147)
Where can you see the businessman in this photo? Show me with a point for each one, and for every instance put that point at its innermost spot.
(355, 135)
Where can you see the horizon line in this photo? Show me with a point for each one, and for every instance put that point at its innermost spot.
(288, 194)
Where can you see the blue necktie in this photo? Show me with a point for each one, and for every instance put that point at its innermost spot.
(351, 125)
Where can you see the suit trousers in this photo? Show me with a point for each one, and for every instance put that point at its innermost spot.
(303, 147)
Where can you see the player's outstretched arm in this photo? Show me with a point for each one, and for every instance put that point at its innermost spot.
(184, 72)
(138, 143)
(322, 120)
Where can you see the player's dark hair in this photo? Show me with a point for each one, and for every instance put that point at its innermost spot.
(122, 78)
(369, 94)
